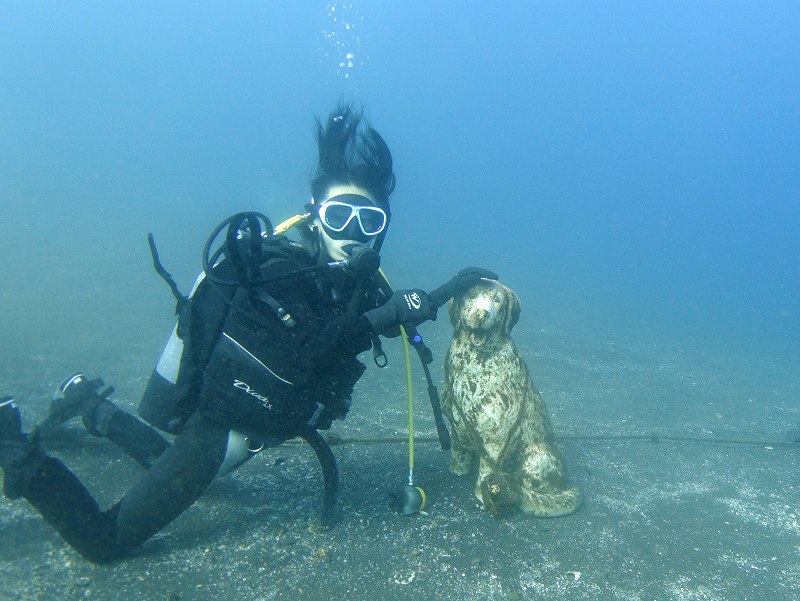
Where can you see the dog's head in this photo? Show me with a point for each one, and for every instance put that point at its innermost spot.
(485, 312)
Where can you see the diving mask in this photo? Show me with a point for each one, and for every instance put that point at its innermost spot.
(338, 212)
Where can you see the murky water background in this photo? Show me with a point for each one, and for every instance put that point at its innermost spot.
(629, 170)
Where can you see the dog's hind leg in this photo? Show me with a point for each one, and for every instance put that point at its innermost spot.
(490, 457)
(542, 484)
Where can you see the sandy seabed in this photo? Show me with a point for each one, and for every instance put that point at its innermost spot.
(689, 481)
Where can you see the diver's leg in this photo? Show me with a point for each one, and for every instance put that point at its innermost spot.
(51, 488)
(139, 441)
(20, 454)
(80, 396)
(70, 509)
(175, 481)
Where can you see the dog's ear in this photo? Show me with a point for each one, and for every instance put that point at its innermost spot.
(454, 310)
(513, 309)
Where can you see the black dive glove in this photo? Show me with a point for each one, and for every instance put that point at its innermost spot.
(404, 308)
(464, 280)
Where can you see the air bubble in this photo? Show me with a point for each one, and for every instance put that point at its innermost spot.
(340, 35)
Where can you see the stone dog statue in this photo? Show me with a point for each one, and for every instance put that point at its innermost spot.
(496, 414)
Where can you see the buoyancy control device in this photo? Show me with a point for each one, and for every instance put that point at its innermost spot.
(239, 349)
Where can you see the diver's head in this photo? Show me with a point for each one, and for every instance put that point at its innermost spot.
(346, 215)
(351, 189)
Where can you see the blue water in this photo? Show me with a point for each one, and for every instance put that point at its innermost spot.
(640, 161)
(631, 169)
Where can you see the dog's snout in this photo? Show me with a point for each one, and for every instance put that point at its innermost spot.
(478, 317)
(479, 314)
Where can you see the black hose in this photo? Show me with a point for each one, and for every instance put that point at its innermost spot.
(165, 275)
(330, 473)
(433, 395)
(246, 266)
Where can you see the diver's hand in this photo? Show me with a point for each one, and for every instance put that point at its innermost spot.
(464, 279)
(404, 307)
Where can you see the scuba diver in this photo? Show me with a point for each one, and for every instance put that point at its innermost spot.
(265, 350)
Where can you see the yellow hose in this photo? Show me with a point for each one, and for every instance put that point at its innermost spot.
(409, 395)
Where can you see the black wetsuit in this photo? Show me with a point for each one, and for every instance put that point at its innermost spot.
(317, 356)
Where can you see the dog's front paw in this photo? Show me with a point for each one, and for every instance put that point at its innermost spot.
(460, 462)
(459, 470)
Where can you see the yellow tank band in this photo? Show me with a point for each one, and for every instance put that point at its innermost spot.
(290, 223)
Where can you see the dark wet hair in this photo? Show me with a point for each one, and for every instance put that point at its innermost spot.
(350, 154)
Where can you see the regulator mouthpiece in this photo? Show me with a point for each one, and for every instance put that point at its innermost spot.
(363, 261)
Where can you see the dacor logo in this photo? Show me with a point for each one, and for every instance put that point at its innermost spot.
(246, 387)
(413, 300)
